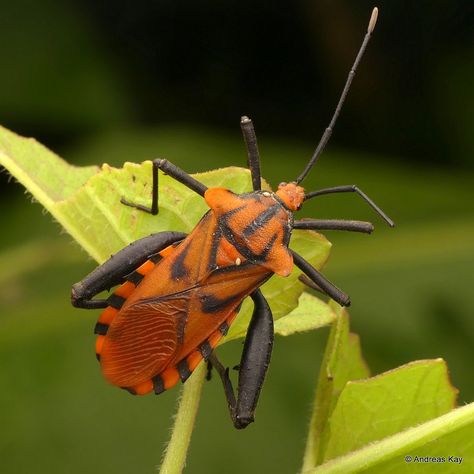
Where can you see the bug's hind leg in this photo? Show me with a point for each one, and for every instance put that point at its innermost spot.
(253, 157)
(253, 364)
(177, 173)
(118, 267)
(321, 282)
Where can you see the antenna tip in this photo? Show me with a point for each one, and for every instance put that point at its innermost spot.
(244, 119)
(373, 20)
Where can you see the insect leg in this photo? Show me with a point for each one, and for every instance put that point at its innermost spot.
(223, 372)
(177, 173)
(306, 281)
(255, 360)
(351, 188)
(323, 283)
(253, 365)
(116, 268)
(334, 224)
(253, 157)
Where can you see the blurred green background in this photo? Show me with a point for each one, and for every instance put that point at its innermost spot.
(116, 81)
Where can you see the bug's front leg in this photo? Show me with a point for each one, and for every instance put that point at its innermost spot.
(253, 364)
(116, 268)
(322, 283)
(177, 173)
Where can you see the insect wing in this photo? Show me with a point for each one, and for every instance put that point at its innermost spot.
(143, 339)
(153, 334)
(215, 303)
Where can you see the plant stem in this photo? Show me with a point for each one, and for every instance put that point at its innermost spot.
(175, 453)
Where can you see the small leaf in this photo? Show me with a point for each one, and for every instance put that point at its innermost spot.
(311, 313)
(372, 409)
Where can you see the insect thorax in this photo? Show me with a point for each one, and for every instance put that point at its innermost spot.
(257, 225)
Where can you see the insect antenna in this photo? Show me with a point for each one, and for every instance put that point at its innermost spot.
(327, 133)
(352, 188)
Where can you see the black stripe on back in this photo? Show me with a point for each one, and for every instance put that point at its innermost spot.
(224, 328)
(158, 384)
(115, 301)
(205, 349)
(263, 218)
(210, 304)
(242, 249)
(101, 328)
(183, 369)
(268, 247)
(178, 269)
(216, 240)
(245, 251)
(135, 278)
(155, 258)
(227, 214)
(233, 268)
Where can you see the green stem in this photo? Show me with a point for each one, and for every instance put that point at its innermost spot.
(175, 454)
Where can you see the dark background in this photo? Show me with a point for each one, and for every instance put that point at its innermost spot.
(115, 81)
(71, 69)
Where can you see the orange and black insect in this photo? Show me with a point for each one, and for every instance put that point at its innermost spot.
(179, 293)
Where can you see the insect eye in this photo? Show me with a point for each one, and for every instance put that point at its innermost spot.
(282, 184)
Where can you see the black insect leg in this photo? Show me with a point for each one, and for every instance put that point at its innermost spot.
(255, 360)
(253, 364)
(214, 363)
(310, 283)
(351, 188)
(177, 173)
(253, 157)
(116, 268)
(334, 224)
(323, 283)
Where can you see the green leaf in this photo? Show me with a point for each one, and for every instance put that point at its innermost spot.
(372, 409)
(106, 225)
(311, 313)
(449, 435)
(342, 362)
(86, 202)
(48, 178)
(351, 411)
